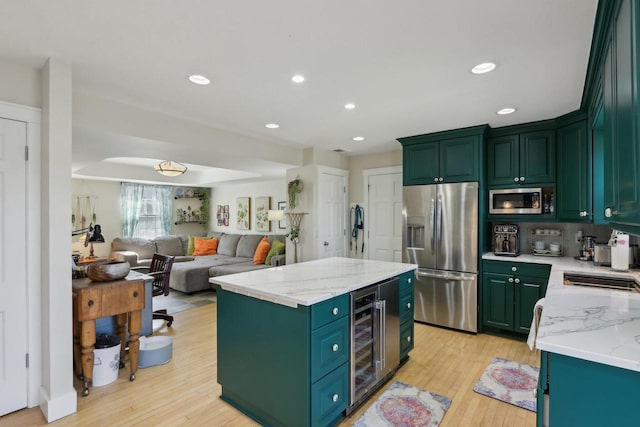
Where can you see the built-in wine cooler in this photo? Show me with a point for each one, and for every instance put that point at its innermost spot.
(375, 342)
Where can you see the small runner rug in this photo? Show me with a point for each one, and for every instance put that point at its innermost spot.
(511, 382)
(406, 406)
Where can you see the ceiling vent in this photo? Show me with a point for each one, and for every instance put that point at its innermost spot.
(341, 150)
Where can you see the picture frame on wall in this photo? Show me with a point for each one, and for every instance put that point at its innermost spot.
(263, 204)
(243, 213)
(282, 225)
(225, 215)
(219, 215)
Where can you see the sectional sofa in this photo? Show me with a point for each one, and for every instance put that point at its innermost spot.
(191, 273)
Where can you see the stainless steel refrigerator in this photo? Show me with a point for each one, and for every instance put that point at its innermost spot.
(440, 235)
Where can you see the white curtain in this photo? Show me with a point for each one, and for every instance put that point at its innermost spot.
(130, 201)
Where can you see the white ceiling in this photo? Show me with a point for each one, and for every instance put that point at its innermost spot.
(405, 64)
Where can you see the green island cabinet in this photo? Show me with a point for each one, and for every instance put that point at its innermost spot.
(442, 157)
(585, 393)
(509, 291)
(574, 183)
(516, 158)
(285, 366)
(620, 93)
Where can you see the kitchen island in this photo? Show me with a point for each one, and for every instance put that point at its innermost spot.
(590, 342)
(284, 337)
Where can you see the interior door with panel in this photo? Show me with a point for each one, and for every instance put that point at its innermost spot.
(384, 222)
(332, 219)
(13, 284)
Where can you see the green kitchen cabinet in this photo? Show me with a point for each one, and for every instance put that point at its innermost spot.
(574, 185)
(510, 290)
(406, 313)
(585, 393)
(521, 159)
(443, 157)
(620, 80)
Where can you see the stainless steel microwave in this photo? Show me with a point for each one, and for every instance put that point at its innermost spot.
(515, 201)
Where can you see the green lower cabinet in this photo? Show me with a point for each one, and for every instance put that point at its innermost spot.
(510, 290)
(587, 394)
(406, 313)
(330, 396)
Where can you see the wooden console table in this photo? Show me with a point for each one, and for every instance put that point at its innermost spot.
(92, 300)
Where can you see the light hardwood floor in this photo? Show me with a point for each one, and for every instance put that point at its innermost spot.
(184, 392)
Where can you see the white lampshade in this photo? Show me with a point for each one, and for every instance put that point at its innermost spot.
(275, 215)
(170, 168)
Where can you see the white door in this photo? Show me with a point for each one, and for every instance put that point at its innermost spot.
(13, 283)
(332, 215)
(385, 217)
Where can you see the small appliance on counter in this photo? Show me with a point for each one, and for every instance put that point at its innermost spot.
(505, 240)
(619, 243)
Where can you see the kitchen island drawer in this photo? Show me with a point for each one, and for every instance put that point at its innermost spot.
(329, 397)
(406, 307)
(329, 347)
(329, 310)
(406, 339)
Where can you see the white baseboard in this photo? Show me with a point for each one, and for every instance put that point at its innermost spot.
(61, 406)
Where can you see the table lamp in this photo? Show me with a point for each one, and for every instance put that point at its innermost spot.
(94, 235)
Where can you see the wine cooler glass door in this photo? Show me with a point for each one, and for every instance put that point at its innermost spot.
(363, 343)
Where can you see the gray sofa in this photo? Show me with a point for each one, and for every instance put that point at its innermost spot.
(191, 273)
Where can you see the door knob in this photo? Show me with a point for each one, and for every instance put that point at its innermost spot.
(326, 243)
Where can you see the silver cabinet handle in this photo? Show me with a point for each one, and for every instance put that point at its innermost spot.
(409, 305)
(522, 179)
(510, 279)
(440, 179)
(609, 213)
(435, 179)
(516, 179)
(335, 397)
(517, 280)
(335, 347)
(514, 268)
(335, 311)
(409, 338)
(410, 280)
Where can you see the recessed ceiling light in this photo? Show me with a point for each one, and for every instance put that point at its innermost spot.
(350, 106)
(198, 79)
(272, 125)
(298, 78)
(485, 67)
(358, 138)
(506, 111)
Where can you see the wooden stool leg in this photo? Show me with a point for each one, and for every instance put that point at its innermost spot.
(121, 320)
(77, 357)
(135, 320)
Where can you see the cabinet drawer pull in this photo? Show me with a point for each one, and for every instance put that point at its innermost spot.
(335, 311)
(335, 347)
(409, 305)
(517, 280)
(510, 279)
(409, 338)
(514, 268)
(90, 303)
(135, 294)
(335, 397)
(516, 179)
(522, 179)
(435, 179)
(440, 179)
(409, 281)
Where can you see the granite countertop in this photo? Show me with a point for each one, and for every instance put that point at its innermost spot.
(308, 283)
(592, 324)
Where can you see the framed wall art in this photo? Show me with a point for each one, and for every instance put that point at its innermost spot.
(243, 213)
(263, 204)
(282, 225)
(225, 215)
(219, 215)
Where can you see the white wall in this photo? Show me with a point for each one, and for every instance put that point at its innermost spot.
(227, 194)
(20, 84)
(371, 161)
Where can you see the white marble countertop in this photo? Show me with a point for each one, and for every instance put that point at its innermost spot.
(310, 282)
(592, 324)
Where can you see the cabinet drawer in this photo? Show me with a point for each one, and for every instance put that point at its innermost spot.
(93, 303)
(406, 282)
(406, 307)
(406, 338)
(329, 310)
(517, 268)
(329, 397)
(329, 347)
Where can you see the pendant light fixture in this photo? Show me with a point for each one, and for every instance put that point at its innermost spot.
(170, 168)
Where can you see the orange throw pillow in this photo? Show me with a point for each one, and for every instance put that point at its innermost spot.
(261, 251)
(203, 246)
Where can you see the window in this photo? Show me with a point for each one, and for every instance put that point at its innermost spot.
(146, 210)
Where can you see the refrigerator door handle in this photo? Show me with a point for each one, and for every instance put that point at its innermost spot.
(439, 220)
(448, 276)
(432, 225)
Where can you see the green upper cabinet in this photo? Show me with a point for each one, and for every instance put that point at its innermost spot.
(452, 156)
(574, 192)
(522, 159)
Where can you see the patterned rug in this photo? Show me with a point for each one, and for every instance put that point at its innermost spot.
(402, 405)
(511, 382)
(178, 301)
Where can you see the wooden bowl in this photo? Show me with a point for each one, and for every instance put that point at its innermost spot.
(107, 271)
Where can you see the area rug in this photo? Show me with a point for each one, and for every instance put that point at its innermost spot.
(403, 405)
(511, 382)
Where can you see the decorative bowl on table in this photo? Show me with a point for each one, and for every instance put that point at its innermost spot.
(107, 271)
